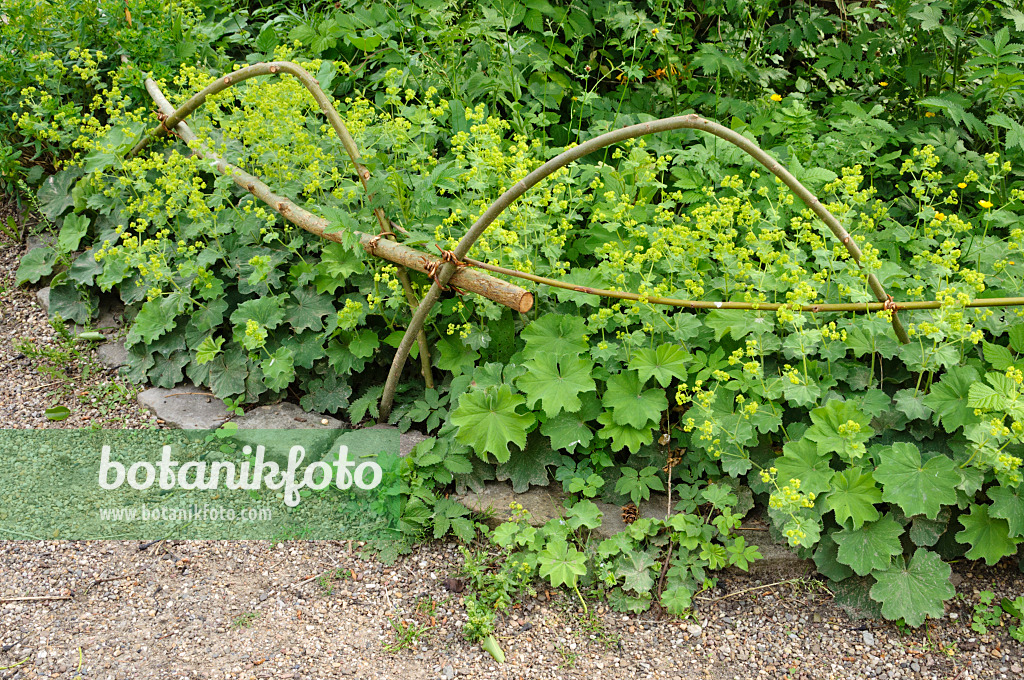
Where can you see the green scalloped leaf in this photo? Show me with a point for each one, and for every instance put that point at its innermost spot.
(989, 537)
(853, 497)
(666, 362)
(488, 421)
(630, 403)
(920, 489)
(871, 547)
(948, 398)
(1008, 504)
(557, 382)
(913, 591)
(555, 334)
(801, 460)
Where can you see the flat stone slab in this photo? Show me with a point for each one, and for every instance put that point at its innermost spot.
(286, 416)
(112, 354)
(543, 503)
(43, 296)
(407, 440)
(186, 407)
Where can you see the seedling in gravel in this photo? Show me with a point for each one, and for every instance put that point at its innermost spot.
(986, 613)
(63, 355)
(1015, 608)
(246, 620)
(407, 634)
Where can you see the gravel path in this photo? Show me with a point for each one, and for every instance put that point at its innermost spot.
(245, 610)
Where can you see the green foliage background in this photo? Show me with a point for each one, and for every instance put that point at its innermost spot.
(882, 461)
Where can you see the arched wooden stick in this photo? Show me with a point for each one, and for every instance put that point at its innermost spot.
(691, 121)
(175, 117)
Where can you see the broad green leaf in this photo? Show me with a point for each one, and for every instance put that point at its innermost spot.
(208, 349)
(989, 537)
(998, 356)
(528, 466)
(54, 193)
(853, 497)
(267, 311)
(307, 309)
(625, 436)
(910, 403)
(926, 532)
(329, 394)
(36, 264)
(71, 233)
(279, 369)
(156, 317)
(584, 513)
(737, 323)
(677, 600)
(562, 564)
(915, 591)
(918, 488)
(488, 421)
(801, 460)
(948, 399)
(569, 430)
(555, 334)
(453, 355)
(664, 363)
(338, 262)
(840, 427)
(871, 547)
(1008, 504)
(826, 558)
(166, 371)
(635, 569)
(630, 403)
(227, 373)
(557, 382)
(56, 413)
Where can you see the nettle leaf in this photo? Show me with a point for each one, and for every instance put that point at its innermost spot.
(329, 394)
(529, 466)
(989, 537)
(488, 420)
(1008, 504)
(918, 488)
(632, 405)
(998, 356)
(635, 569)
(801, 460)
(557, 382)
(871, 547)
(561, 564)
(914, 591)
(853, 497)
(555, 334)
(625, 436)
(832, 420)
(948, 398)
(308, 309)
(666, 362)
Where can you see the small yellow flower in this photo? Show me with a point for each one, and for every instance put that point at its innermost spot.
(962, 185)
(654, 31)
(929, 114)
(884, 84)
(776, 97)
(985, 204)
